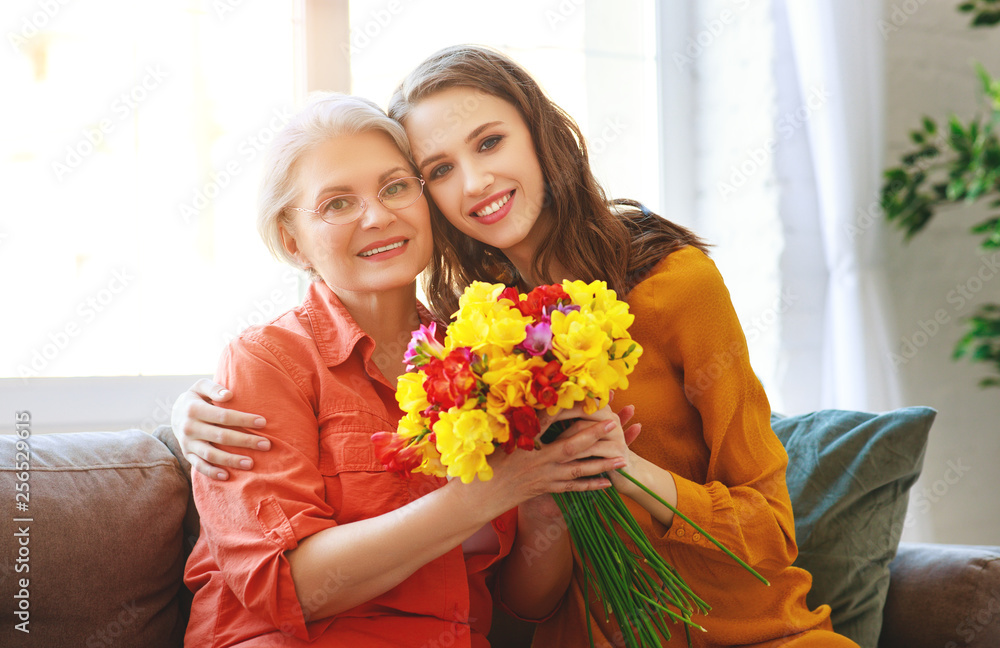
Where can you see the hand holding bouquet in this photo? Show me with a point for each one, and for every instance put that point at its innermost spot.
(506, 357)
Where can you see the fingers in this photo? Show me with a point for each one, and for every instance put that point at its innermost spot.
(194, 431)
(216, 457)
(206, 412)
(586, 438)
(632, 432)
(213, 391)
(207, 469)
(626, 413)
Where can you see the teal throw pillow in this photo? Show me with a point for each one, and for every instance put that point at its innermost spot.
(848, 475)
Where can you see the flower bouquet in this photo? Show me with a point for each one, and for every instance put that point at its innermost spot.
(505, 357)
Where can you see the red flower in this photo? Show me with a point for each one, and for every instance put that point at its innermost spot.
(524, 427)
(541, 299)
(394, 453)
(450, 381)
(545, 381)
(511, 294)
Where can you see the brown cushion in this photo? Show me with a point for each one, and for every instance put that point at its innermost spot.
(105, 548)
(943, 596)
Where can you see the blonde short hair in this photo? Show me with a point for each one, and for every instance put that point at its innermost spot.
(325, 116)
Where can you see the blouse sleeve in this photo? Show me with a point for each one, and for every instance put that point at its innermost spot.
(254, 517)
(744, 502)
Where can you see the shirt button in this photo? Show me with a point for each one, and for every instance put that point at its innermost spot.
(680, 532)
(696, 537)
(501, 525)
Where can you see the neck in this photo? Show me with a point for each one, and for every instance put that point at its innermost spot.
(388, 316)
(524, 262)
(523, 254)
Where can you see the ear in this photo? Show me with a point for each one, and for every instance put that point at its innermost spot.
(291, 245)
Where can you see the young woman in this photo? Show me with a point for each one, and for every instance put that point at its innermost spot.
(509, 173)
(319, 545)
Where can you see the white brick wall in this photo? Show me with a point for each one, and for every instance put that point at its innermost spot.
(929, 52)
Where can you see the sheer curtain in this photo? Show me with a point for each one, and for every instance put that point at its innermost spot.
(829, 66)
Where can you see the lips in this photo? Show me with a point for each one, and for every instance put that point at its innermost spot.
(381, 247)
(491, 205)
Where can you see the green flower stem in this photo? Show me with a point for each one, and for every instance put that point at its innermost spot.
(612, 566)
(695, 526)
(673, 580)
(672, 614)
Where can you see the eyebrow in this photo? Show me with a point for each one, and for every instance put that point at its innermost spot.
(345, 189)
(471, 136)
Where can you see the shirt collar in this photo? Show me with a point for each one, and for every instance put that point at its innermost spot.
(335, 330)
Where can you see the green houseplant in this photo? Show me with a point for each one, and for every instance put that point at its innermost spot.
(955, 165)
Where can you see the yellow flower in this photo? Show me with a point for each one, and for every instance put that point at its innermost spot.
(617, 319)
(509, 380)
(569, 394)
(507, 327)
(479, 297)
(464, 438)
(471, 329)
(411, 425)
(576, 339)
(592, 296)
(410, 393)
(431, 464)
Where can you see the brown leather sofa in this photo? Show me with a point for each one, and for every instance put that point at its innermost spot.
(111, 521)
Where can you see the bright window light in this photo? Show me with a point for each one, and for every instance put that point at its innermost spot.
(130, 161)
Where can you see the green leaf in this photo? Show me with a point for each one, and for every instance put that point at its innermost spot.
(986, 226)
(930, 126)
(976, 189)
(917, 137)
(966, 7)
(956, 128)
(986, 19)
(956, 189)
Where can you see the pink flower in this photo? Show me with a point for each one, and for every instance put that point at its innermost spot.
(537, 339)
(422, 347)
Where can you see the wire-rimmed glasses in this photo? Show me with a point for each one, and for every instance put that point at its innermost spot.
(347, 208)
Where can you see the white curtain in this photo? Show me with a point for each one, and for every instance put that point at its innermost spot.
(830, 68)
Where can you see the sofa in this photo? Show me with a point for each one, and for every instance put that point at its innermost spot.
(95, 556)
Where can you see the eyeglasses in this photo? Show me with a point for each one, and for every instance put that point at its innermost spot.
(347, 208)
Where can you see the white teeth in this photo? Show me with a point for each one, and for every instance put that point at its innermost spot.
(391, 246)
(495, 205)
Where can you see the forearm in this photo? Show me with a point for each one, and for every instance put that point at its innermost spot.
(341, 567)
(656, 479)
(535, 576)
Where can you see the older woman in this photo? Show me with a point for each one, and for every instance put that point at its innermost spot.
(318, 544)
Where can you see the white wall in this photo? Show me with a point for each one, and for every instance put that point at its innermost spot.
(929, 68)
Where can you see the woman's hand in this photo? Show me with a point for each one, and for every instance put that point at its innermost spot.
(197, 424)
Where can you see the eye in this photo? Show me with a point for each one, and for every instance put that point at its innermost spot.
(490, 142)
(439, 171)
(395, 188)
(339, 204)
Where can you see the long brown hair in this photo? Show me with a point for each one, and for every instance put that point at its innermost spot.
(618, 242)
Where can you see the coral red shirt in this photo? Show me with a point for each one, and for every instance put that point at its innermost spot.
(310, 373)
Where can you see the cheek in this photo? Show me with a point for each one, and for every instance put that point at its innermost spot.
(445, 196)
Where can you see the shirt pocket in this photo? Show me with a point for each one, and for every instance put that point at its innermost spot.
(357, 484)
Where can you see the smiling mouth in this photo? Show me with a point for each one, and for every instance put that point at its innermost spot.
(493, 207)
(386, 248)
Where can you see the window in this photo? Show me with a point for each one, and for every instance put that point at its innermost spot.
(132, 159)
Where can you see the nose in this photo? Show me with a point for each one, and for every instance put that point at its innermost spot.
(375, 215)
(477, 180)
